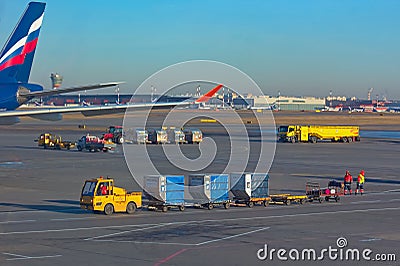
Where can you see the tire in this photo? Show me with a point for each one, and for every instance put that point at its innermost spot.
(108, 209)
(293, 139)
(320, 200)
(227, 205)
(265, 203)
(131, 207)
(326, 198)
(314, 139)
(250, 204)
(79, 148)
(181, 208)
(164, 208)
(344, 139)
(287, 202)
(349, 139)
(210, 206)
(301, 201)
(121, 140)
(337, 198)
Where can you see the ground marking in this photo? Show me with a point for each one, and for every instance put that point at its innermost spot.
(207, 220)
(22, 257)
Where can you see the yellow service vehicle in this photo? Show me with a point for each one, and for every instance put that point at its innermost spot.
(314, 133)
(100, 194)
(48, 140)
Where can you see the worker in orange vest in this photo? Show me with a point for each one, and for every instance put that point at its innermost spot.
(348, 179)
(360, 182)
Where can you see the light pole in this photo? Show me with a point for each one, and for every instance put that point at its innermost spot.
(279, 100)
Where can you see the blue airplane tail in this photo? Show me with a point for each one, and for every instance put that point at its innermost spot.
(16, 57)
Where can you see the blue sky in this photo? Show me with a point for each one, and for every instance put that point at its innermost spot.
(295, 47)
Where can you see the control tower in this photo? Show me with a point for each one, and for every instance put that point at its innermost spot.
(56, 80)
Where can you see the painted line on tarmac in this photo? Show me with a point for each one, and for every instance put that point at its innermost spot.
(170, 257)
(370, 239)
(22, 257)
(72, 229)
(365, 201)
(19, 221)
(123, 232)
(72, 218)
(178, 243)
(233, 236)
(207, 220)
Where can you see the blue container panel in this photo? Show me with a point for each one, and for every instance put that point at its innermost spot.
(175, 187)
(174, 197)
(175, 179)
(220, 178)
(219, 191)
(219, 195)
(260, 186)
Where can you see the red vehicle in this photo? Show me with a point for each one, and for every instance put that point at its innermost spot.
(115, 133)
(334, 190)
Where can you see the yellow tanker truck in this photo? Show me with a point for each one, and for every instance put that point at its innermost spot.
(314, 133)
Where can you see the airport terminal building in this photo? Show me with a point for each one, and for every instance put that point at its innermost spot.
(288, 103)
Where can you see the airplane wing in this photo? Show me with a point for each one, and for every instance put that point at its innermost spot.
(53, 114)
(88, 110)
(71, 89)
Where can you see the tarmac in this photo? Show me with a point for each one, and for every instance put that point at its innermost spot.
(41, 222)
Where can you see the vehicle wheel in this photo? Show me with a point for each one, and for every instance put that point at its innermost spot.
(181, 208)
(109, 209)
(250, 204)
(287, 202)
(164, 208)
(79, 148)
(320, 200)
(227, 205)
(344, 139)
(358, 139)
(293, 140)
(326, 198)
(210, 206)
(301, 201)
(131, 207)
(337, 198)
(121, 140)
(349, 139)
(265, 203)
(314, 139)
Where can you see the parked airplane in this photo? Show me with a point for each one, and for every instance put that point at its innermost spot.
(16, 60)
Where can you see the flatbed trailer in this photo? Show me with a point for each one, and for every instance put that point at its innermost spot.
(163, 206)
(250, 202)
(287, 199)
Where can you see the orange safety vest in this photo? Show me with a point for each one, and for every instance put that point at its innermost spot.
(361, 179)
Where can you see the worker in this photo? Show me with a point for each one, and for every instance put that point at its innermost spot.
(348, 179)
(104, 190)
(360, 182)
